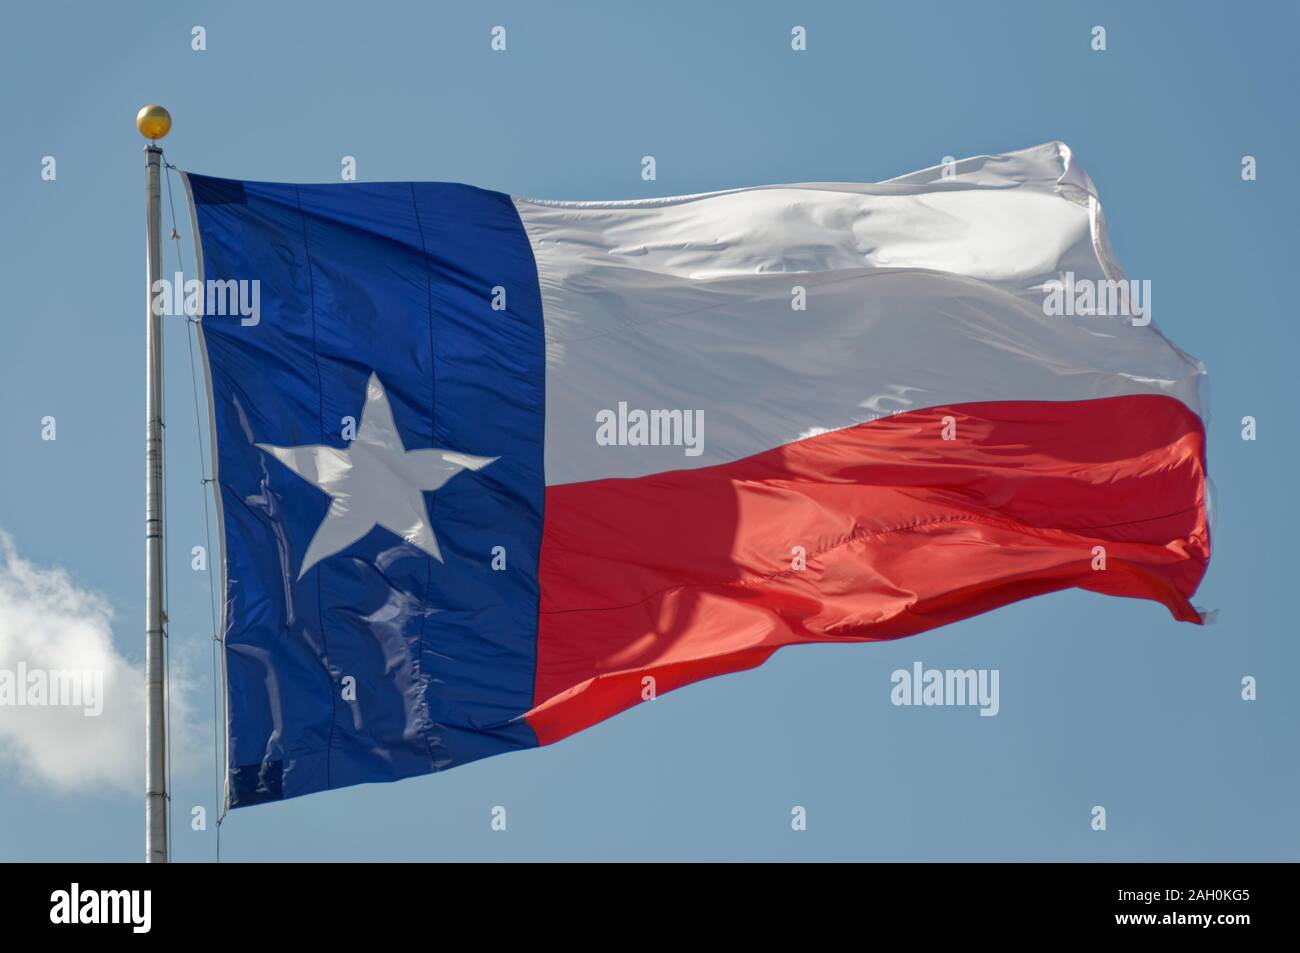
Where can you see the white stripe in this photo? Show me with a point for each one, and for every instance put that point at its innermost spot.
(921, 291)
(215, 486)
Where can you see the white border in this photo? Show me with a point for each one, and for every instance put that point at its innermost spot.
(216, 491)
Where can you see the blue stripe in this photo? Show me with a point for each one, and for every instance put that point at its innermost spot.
(393, 279)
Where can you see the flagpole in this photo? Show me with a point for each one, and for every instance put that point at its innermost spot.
(154, 122)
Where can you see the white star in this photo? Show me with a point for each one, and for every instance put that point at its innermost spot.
(376, 481)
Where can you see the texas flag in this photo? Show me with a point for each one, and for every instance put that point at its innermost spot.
(491, 469)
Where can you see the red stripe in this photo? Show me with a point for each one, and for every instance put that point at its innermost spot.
(688, 574)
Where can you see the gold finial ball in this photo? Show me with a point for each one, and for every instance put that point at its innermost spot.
(153, 121)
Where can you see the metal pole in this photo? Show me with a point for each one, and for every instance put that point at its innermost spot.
(155, 809)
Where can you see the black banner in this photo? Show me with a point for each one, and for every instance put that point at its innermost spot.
(334, 902)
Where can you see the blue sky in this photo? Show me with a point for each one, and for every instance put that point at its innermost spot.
(1103, 701)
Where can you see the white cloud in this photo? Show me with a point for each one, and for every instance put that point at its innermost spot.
(48, 623)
